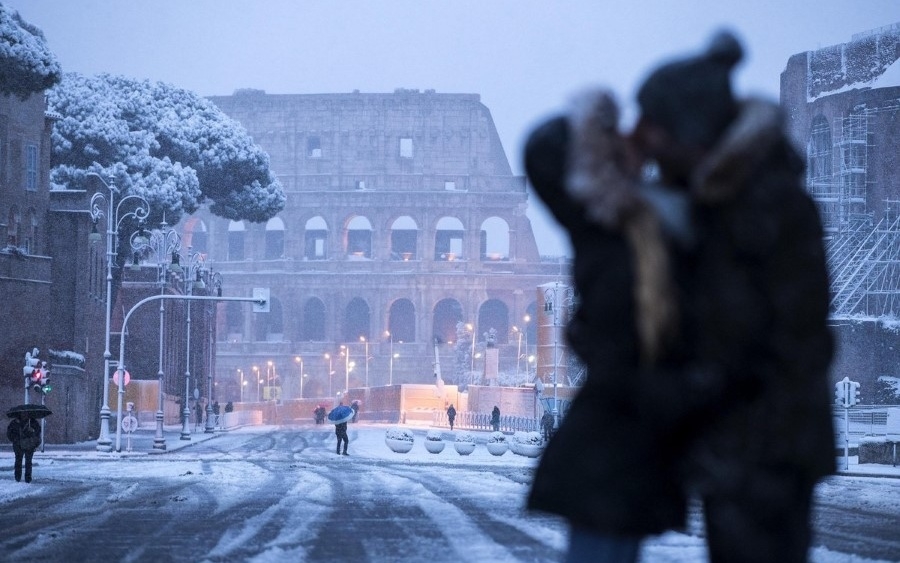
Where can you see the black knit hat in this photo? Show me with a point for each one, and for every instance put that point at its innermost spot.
(691, 98)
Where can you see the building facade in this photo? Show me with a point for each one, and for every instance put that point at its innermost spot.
(404, 225)
(843, 106)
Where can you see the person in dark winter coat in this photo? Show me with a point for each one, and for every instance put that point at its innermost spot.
(340, 430)
(547, 425)
(495, 418)
(25, 434)
(620, 484)
(451, 416)
(764, 436)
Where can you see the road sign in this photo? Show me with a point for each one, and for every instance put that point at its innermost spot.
(129, 423)
(115, 377)
(262, 294)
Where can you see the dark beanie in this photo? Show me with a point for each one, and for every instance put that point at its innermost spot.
(691, 98)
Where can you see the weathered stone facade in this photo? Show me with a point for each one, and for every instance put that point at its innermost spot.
(403, 218)
(843, 109)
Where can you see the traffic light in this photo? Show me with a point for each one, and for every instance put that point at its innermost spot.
(32, 364)
(840, 393)
(853, 393)
(45, 379)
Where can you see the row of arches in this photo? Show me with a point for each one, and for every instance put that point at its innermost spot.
(315, 323)
(356, 239)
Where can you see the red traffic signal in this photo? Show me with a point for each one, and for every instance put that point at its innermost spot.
(37, 375)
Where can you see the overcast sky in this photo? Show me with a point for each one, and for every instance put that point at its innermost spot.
(524, 57)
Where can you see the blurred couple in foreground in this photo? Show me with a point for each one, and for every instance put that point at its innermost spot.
(702, 306)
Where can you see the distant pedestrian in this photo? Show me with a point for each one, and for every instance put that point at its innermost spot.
(495, 418)
(547, 425)
(25, 434)
(451, 416)
(355, 406)
(216, 412)
(340, 430)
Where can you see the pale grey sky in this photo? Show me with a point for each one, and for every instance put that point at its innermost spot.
(524, 57)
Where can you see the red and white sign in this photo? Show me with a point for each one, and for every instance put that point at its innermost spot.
(115, 377)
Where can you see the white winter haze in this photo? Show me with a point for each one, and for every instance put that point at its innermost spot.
(526, 58)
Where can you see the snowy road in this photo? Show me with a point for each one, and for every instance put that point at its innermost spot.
(283, 495)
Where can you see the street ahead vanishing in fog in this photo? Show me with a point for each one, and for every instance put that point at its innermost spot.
(281, 494)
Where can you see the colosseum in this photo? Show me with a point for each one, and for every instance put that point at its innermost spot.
(404, 233)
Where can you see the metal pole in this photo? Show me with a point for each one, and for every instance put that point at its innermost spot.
(210, 423)
(159, 440)
(186, 411)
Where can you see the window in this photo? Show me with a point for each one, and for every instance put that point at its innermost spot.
(236, 240)
(313, 147)
(406, 147)
(274, 239)
(450, 186)
(31, 167)
(316, 235)
(360, 184)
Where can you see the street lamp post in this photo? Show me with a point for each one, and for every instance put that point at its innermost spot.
(215, 280)
(345, 351)
(299, 359)
(526, 319)
(366, 342)
(258, 382)
(241, 374)
(163, 242)
(113, 222)
(518, 351)
(191, 278)
(330, 373)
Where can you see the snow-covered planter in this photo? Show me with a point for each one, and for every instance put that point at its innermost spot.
(465, 443)
(528, 444)
(434, 442)
(497, 444)
(399, 440)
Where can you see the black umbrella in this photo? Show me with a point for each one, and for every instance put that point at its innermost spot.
(32, 410)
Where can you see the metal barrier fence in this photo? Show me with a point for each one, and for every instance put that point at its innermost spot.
(865, 420)
(482, 421)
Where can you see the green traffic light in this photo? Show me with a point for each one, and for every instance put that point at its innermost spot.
(46, 389)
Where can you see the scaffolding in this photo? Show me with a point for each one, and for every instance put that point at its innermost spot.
(863, 256)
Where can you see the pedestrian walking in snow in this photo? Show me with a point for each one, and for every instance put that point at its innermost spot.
(495, 418)
(547, 425)
(339, 416)
(25, 434)
(451, 416)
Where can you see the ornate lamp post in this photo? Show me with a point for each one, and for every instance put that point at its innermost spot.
(215, 280)
(163, 243)
(191, 279)
(114, 219)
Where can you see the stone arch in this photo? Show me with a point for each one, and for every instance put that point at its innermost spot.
(312, 326)
(356, 320)
(402, 321)
(236, 240)
(447, 313)
(195, 235)
(315, 246)
(234, 321)
(358, 238)
(404, 238)
(494, 243)
(494, 314)
(270, 326)
(274, 239)
(449, 239)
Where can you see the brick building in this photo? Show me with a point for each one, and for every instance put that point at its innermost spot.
(403, 218)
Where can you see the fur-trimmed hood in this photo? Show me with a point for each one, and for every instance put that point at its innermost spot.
(746, 143)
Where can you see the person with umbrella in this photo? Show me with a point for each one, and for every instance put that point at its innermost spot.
(339, 416)
(24, 432)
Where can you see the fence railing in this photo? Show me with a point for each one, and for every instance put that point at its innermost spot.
(482, 421)
(866, 420)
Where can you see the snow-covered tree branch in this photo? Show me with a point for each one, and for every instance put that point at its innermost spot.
(169, 145)
(26, 64)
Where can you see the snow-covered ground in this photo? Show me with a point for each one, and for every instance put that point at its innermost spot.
(463, 499)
